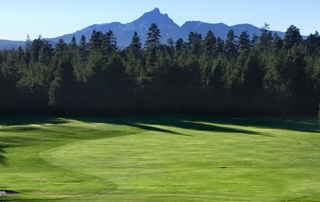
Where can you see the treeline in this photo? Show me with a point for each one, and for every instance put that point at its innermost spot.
(250, 75)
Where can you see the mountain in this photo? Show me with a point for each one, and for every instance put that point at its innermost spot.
(168, 28)
(7, 44)
(124, 32)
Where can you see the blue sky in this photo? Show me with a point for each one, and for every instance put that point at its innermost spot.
(51, 18)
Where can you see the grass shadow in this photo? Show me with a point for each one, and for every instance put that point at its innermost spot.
(2, 156)
(208, 126)
(27, 120)
(127, 121)
(206, 123)
(153, 128)
(16, 199)
(149, 123)
(299, 124)
(10, 142)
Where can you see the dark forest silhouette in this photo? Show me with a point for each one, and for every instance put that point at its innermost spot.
(249, 75)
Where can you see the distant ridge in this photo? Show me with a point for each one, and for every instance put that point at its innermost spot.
(168, 28)
(7, 44)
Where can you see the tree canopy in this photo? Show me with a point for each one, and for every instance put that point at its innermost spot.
(251, 75)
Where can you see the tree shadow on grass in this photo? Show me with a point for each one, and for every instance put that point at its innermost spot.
(299, 124)
(206, 123)
(12, 198)
(155, 129)
(190, 124)
(2, 156)
(127, 122)
(145, 123)
(152, 123)
(27, 120)
(7, 141)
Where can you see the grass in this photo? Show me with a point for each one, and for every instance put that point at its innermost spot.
(160, 159)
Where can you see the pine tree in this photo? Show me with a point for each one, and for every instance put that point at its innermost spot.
(313, 44)
(252, 81)
(83, 50)
(209, 44)
(230, 46)
(96, 41)
(62, 92)
(134, 59)
(36, 72)
(179, 45)
(78, 64)
(195, 45)
(265, 39)
(135, 45)
(153, 37)
(244, 43)
(292, 37)
(279, 78)
(152, 45)
(216, 88)
(109, 45)
(277, 44)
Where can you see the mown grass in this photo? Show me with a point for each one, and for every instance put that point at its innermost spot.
(160, 159)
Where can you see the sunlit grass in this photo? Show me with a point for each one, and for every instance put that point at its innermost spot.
(161, 159)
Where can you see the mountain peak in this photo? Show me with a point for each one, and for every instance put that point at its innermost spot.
(154, 13)
(169, 29)
(155, 16)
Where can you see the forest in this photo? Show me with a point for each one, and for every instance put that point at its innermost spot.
(241, 75)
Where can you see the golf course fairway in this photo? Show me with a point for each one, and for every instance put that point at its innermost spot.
(160, 159)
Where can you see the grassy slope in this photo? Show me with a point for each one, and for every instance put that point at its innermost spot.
(161, 159)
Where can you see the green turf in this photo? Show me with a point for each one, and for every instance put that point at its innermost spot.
(160, 159)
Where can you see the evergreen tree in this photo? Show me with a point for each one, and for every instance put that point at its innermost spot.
(252, 81)
(195, 44)
(170, 48)
(277, 44)
(35, 48)
(278, 80)
(239, 74)
(9, 76)
(179, 45)
(37, 72)
(80, 57)
(300, 88)
(114, 84)
(209, 44)
(63, 90)
(244, 43)
(152, 45)
(265, 39)
(313, 44)
(109, 45)
(292, 37)
(207, 60)
(135, 46)
(216, 89)
(96, 41)
(134, 54)
(230, 46)
(83, 50)
(153, 37)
